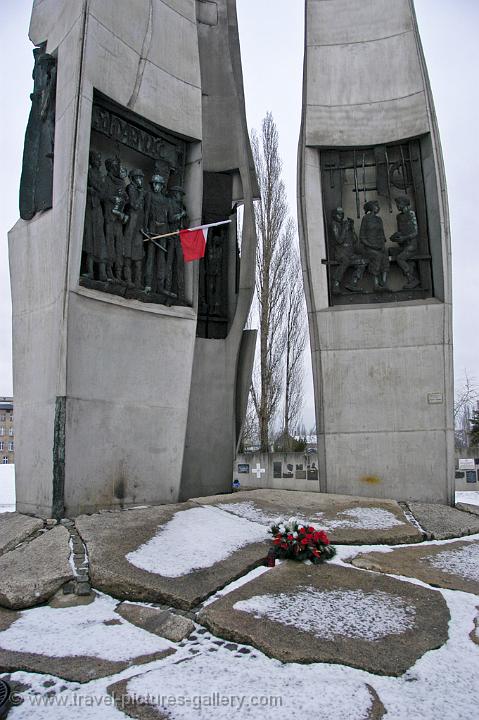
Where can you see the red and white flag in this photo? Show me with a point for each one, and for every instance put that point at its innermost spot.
(193, 241)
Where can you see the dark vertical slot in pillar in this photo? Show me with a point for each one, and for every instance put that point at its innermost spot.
(213, 271)
(58, 494)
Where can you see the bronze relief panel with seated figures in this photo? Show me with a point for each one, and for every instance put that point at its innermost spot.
(375, 214)
(134, 193)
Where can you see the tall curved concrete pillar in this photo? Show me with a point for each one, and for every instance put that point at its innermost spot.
(122, 399)
(102, 382)
(382, 356)
(222, 360)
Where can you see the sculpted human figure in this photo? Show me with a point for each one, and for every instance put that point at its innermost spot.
(114, 204)
(407, 238)
(133, 238)
(373, 242)
(94, 243)
(344, 244)
(36, 184)
(178, 220)
(157, 217)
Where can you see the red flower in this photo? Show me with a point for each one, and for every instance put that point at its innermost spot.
(323, 538)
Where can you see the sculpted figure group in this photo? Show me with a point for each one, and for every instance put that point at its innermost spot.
(369, 252)
(121, 218)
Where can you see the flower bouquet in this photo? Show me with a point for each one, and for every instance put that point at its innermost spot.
(293, 540)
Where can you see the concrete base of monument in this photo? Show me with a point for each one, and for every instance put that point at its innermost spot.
(350, 640)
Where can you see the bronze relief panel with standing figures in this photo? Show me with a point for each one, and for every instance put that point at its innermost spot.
(134, 194)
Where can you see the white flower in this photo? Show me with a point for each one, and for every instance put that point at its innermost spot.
(295, 535)
(282, 529)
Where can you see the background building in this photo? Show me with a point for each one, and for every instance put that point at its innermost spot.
(7, 432)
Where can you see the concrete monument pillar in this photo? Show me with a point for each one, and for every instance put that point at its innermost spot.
(104, 320)
(375, 247)
(224, 351)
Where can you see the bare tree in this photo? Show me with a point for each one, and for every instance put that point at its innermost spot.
(272, 260)
(249, 435)
(464, 405)
(295, 340)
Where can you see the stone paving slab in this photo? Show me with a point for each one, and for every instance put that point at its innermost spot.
(454, 566)
(442, 522)
(15, 528)
(347, 520)
(467, 507)
(110, 537)
(309, 614)
(71, 664)
(33, 572)
(219, 676)
(160, 622)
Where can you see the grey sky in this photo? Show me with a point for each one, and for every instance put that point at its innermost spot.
(271, 33)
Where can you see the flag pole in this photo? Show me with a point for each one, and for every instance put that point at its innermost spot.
(177, 232)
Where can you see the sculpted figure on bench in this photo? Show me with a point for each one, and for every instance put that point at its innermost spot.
(407, 238)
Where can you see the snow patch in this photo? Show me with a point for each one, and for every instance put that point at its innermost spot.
(252, 575)
(249, 511)
(78, 631)
(7, 488)
(329, 614)
(463, 561)
(193, 540)
(362, 518)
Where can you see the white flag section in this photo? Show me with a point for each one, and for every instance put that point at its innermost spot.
(193, 240)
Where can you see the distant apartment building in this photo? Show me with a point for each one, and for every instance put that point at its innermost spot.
(7, 432)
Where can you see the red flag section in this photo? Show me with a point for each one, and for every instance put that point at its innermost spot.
(193, 243)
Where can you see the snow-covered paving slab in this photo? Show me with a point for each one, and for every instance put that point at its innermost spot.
(335, 613)
(463, 561)
(174, 554)
(362, 518)
(300, 613)
(76, 643)
(218, 536)
(453, 565)
(222, 686)
(346, 519)
(442, 522)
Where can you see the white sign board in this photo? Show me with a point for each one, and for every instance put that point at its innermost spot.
(467, 464)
